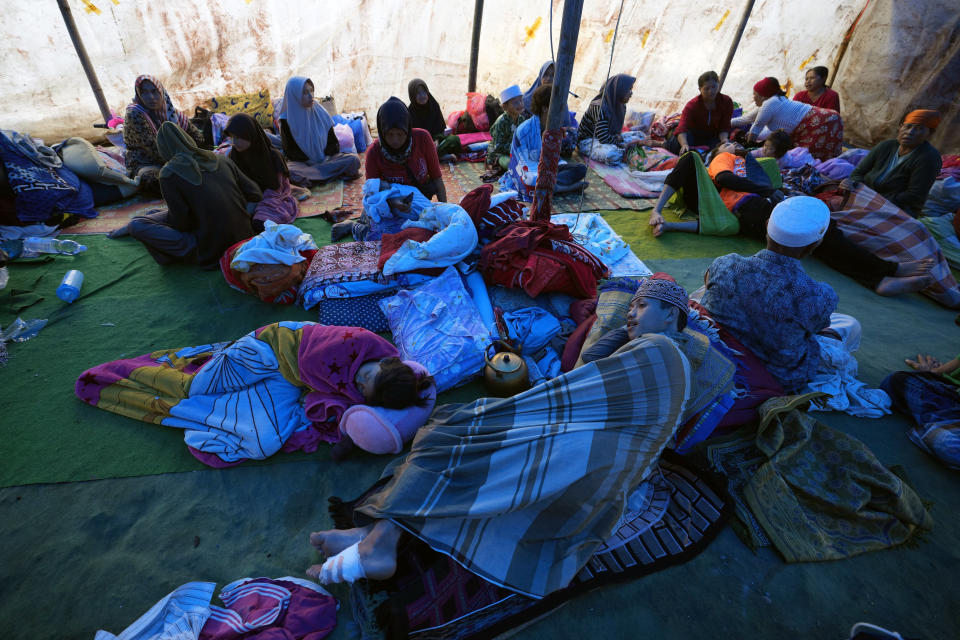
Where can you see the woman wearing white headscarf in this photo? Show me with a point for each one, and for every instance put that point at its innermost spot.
(309, 141)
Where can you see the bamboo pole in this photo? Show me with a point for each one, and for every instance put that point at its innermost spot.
(84, 59)
(736, 41)
(475, 45)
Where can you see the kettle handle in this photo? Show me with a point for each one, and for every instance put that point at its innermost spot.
(509, 347)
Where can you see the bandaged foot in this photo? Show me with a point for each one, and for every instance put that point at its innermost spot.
(343, 567)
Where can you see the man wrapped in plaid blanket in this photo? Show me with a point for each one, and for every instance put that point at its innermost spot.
(523, 490)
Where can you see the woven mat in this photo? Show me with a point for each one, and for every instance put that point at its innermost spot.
(353, 190)
(326, 197)
(434, 597)
(598, 196)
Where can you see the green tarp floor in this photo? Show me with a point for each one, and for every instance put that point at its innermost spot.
(102, 516)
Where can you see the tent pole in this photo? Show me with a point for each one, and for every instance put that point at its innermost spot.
(84, 60)
(557, 117)
(736, 41)
(475, 45)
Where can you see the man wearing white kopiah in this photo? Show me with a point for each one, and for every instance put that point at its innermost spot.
(769, 303)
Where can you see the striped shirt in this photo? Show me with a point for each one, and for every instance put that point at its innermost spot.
(778, 112)
(595, 125)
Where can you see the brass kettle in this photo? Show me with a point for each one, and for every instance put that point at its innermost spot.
(506, 372)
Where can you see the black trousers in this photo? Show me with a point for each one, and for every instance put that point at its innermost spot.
(836, 250)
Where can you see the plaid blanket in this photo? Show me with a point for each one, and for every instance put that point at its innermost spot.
(871, 221)
(522, 491)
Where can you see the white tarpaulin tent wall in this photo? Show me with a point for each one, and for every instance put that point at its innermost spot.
(364, 52)
(902, 56)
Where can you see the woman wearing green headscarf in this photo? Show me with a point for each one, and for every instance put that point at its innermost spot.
(206, 197)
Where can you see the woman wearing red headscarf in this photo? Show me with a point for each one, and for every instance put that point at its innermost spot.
(902, 170)
(819, 130)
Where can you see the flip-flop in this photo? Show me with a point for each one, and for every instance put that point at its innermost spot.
(343, 567)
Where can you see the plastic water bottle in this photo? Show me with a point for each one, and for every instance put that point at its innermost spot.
(69, 289)
(52, 245)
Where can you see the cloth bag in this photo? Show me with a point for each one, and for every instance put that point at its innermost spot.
(439, 326)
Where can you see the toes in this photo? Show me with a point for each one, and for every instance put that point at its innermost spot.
(317, 538)
(314, 571)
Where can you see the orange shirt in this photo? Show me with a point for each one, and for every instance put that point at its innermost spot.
(729, 162)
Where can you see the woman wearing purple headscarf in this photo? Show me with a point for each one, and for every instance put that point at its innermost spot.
(599, 134)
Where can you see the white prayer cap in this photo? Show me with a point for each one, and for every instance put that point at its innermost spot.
(511, 92)
(798, 221)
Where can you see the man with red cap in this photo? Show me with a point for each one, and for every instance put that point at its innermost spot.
(903, 169)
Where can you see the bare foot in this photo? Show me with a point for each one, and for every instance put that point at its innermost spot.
(340, 230)
(378, 551)
(896, 286)
(119, 233)
(333, 541)
(656, 221)
(914, 267)
(374, 557)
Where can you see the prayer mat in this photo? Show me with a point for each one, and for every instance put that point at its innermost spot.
(353, 190)
(620, 180)
(598, 196)
(736, 457)
(113, 216)
(670, 518)
(323, 198)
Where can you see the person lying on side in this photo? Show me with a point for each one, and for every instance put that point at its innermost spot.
(747, 192)
(658, 301)
(535, 520)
